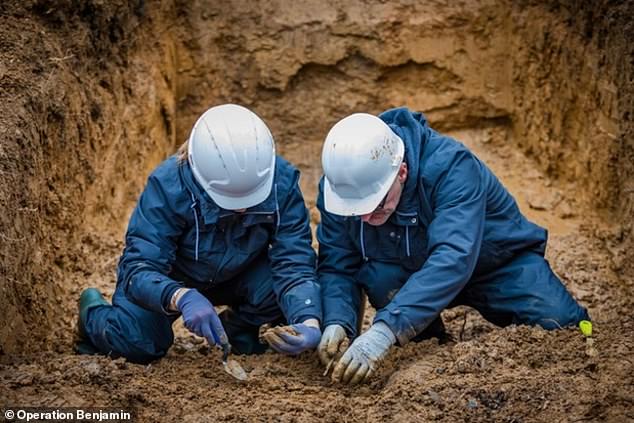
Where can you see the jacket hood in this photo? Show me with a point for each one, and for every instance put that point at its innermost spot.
(413, 129)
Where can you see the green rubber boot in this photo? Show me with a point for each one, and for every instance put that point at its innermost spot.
(89, 298)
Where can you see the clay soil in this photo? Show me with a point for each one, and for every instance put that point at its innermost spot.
(95, 95)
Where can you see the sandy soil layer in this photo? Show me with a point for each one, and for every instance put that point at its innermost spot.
(516, 374)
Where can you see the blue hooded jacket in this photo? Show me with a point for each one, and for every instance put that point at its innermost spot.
(177, 235)
(454, 220)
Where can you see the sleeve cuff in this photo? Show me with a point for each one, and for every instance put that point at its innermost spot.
(301, 303)
(153, 292)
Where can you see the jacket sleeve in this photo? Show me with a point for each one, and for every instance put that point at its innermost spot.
(339, 261)
(293, 259)
(454, 240)
(150, 250)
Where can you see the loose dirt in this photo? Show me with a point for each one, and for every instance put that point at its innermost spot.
(95, 94)
(487, 374)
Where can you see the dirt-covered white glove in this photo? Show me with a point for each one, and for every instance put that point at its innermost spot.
(361, 359)
(334, 342)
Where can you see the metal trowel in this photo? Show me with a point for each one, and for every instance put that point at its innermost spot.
(231, 366)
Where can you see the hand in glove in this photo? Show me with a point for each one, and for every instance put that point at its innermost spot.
(333, 344)
(294, 339)
(201, 318)
(360, 360)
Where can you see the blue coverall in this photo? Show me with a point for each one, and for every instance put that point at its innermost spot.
(259, 262)
(457, 237)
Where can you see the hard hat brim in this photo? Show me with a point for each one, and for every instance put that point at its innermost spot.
(354, 206)
(246, 201)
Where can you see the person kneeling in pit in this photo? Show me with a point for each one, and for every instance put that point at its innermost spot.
(222, 222)
(414, 219)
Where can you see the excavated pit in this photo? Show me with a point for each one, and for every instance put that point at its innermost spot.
(95, 94)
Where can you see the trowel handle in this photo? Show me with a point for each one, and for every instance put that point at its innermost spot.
(226, 350)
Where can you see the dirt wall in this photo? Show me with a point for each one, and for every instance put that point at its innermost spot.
(573, 73)
(82, 125)
(95, 94)
(304, 65)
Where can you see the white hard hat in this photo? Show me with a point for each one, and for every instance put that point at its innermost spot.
(361, 158)
(232, 156)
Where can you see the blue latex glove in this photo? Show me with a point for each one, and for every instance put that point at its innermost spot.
(305, 338)
(360, 360)
(201, 318)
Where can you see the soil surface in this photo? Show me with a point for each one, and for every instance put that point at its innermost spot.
(96, 93)
(514, 374)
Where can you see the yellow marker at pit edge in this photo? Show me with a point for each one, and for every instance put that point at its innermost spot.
(586, 327)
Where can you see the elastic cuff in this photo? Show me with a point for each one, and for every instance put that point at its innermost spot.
(400, 326)
(350, 330)
(303, 318)
(167, 298)
(385, 330)
(313, 319)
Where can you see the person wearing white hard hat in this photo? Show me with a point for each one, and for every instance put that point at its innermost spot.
(417, 222)
(222, 222)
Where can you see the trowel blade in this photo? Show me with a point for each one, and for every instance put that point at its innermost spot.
(234, 368)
